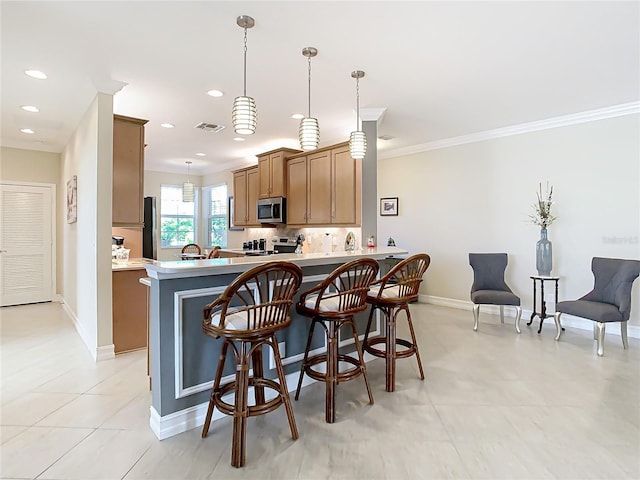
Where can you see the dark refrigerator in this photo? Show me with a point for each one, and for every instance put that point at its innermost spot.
(149, 240)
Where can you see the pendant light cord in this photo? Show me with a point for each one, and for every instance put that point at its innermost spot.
(358, 104)
(245, 61)
(309, 60)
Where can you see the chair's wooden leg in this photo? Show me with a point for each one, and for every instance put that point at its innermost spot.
(238, 445)
(601, 328)
(390, 353)
(623, 334)
(501, 313)
(368, 330)
(305, 358)
(216, 385)
(363, 367)
(476, 314)
(258, 372)
(331, 378)
(414, 341)
(284, 392)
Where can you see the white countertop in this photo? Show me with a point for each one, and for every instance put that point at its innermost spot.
(131, 264)
(218, 266)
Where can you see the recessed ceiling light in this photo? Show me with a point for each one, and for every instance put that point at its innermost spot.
(239, 139)
(297, 116)
(27, 130)
(167, 125)
(36, 74)
(201, 154)
(30, 108)
(215, 93)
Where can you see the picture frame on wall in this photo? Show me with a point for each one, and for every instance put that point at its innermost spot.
(72, 199)
(389, 206)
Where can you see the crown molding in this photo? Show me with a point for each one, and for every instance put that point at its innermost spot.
(372, 114)
(555, 122)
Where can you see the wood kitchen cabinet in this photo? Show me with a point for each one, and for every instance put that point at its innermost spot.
(128, 171)
(324, 188)
(245, 197)
(129, 303)
(271, 167)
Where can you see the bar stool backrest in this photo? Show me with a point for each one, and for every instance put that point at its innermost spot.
(255, 303)
(345, 289)
(404, 279)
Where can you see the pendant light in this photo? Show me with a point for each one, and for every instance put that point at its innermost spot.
(309, 128)
(244, 108)
(358, 139)
(188, 189)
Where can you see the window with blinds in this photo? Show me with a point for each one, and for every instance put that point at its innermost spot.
(215, 209)
(177, 218)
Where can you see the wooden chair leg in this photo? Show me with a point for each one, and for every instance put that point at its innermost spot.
(390, 350)
(414, 341)
(258, 372)
(216, 385)
(284, 392)
(238, 445)
(368, 330)
(305, 358)
(363, 367)
(331, 379)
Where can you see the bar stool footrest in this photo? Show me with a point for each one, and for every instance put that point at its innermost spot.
(253, 410)
(342, 376)
(368, 347)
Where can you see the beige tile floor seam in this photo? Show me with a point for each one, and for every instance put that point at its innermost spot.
(494, 405)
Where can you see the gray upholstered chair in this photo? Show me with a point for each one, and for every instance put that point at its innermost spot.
(489, 287)
(609, 301)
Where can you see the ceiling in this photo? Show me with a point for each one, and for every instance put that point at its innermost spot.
(439, 69)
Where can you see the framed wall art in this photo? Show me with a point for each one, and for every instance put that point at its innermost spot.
(389, 206)
(72, 199)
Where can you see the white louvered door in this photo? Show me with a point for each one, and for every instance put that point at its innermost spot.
(26, 247)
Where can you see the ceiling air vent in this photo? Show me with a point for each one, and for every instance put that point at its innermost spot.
(209, 127)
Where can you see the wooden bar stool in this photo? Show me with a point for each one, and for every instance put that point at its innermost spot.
(391, 295)
(332, 305)
(247, 316)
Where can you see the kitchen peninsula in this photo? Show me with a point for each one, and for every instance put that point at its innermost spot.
(183, 360)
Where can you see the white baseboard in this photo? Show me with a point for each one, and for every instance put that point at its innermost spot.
(106, 352)
(633, 331)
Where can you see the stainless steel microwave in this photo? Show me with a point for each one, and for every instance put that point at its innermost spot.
(272, 210)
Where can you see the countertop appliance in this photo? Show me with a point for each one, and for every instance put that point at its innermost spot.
(272, 210)
(284, 244)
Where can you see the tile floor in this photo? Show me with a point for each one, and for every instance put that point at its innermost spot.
(494, 405)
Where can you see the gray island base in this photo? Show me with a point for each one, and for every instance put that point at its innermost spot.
(184, 360)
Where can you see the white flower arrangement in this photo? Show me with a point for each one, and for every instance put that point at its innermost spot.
(542, 208)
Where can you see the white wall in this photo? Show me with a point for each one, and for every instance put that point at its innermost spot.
(86, 276)
(477, 198)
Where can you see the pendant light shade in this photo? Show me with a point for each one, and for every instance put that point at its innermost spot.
(358, 139)
(244, 108)
(309, 129)
(188, 189)
(358, 145)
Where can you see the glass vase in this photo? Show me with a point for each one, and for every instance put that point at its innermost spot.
(544, 254)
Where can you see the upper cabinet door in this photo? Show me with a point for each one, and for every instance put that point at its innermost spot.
(276, 165)
(240, 198)
(264, 173)
(297, 191)
(319, 188)
(253, 180)
(128, 171)
(346, 187)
